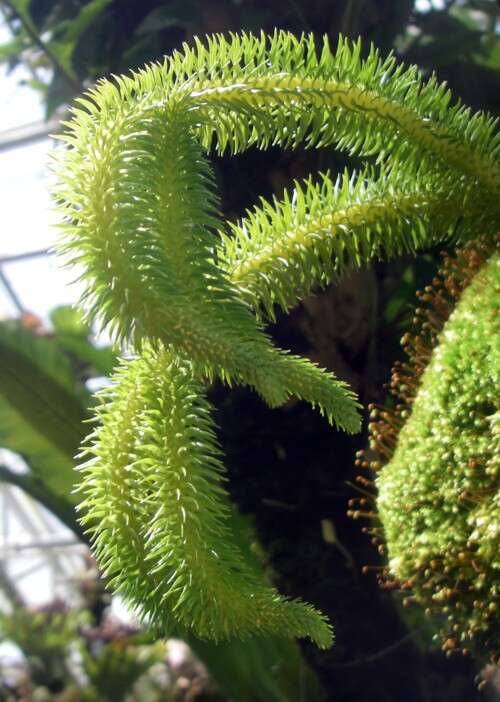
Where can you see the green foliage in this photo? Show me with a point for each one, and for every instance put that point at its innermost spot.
(113, 673)
(136, 191)
(254, 669)
(42, 636)
(282, 250)
(261, 668)
(73, 336)
(37, 383)
(67, 659)
(40, 408)
(438, 495)
(44, 402)
(110, 662)
(61, 43)
(162, 536)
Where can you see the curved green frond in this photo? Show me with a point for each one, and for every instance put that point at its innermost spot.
(142, 227)
(284, 90)
(283, 249)
(157, 509)
(137, 194)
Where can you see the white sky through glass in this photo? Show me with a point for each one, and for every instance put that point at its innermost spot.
(40, 284)
(27, 219)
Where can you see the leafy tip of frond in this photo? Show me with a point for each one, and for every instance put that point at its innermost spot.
(158, 512)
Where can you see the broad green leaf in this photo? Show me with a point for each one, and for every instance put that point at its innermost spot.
(41, 407)
(53, 467)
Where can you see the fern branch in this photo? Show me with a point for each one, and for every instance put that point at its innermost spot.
(158, 512)
(125, 207)
(281, 90)
(299, 106)
(142, 226)
(283, 248)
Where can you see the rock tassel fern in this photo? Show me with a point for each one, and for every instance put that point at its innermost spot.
(188, 294)
(436, 456)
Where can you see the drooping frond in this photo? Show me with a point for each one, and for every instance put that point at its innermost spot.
(137, 191)
(435, 455)
(158, 512)
(140, 210)
(438, 495)
(282, 249)
(283, 90)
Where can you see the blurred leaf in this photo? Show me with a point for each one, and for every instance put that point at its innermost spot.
(490, 59)
(118, 667)
(52, 466)
(21, 8)
(75, 27)
(470, 17)
(11, 48)
(175, 14)
(67, 33)
(259, 669)
(402, 301)
(41, 408)
(102, 360)
(73, 336)
(63, 51)
(44, 637)
(67, 319)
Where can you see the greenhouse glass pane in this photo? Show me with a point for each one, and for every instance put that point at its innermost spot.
(27, 219)
(41, 284)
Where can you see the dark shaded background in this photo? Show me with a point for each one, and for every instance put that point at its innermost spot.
(288, 468)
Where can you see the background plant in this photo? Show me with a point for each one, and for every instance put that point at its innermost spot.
(69, 656)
